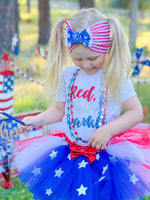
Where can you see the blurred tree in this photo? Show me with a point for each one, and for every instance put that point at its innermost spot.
(9, 23)
(143, 5)
(44, 21)
(133, 24)
(86, 4)
(133, 5)
(28, 5)
(121, 4)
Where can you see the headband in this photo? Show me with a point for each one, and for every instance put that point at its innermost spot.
(96, 37)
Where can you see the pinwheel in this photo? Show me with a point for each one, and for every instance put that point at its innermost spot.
(138, 61)
(15, 44)
(41, 52)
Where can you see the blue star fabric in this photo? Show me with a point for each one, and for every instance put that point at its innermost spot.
(56, 176)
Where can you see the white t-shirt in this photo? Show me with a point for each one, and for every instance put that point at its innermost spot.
(86, 97)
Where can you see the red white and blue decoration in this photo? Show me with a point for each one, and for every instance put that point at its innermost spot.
(11, 131)
(7, 137)
(138, 61)
(42, 53)
(6, 91)
(141, 81)
(2, 67)
(7, 61)
(25, 75)
(15, 44)
(9, 128)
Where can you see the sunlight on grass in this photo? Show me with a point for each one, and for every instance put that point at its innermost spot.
(143, 39)
(145, 73)
(29, 97)
(32, 16)
(31, 36)
(145, 21)
(28, 35)
(27, 28)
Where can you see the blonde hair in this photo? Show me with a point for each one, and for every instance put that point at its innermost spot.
(117, 61)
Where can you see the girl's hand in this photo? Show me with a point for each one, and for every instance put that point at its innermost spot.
(99, 138)
(31, 121)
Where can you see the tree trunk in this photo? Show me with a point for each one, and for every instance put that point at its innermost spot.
(9, 23)
(133, 23)
(44, 21)
(28, 5)
(86, 4)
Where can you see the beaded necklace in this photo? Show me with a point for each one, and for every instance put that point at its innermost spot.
(101, 119)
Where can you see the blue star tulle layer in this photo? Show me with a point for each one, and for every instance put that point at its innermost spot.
(121, 172)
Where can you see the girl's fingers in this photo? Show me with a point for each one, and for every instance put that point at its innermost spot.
(90, 141)
(98, 146)
(94, 143)
(103, 146)
(29, 121)
(29, 128)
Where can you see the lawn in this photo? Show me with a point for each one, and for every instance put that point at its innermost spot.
(17, 192)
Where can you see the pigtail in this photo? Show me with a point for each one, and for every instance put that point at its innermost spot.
(56, 59)
(118, 59)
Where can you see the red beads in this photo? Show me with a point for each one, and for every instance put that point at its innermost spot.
(101, 113)
(73, 126)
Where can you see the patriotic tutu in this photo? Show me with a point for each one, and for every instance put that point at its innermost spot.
(57, 169)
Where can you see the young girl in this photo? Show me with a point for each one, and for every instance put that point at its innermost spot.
(95, 157)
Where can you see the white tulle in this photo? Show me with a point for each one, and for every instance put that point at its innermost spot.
(35, 150)
(129, 151)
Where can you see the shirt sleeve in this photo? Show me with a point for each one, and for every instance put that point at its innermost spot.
(127, 91)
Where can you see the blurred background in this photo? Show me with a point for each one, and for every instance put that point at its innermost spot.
(27, 24)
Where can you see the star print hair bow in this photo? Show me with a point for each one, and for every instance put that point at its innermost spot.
(96, 37)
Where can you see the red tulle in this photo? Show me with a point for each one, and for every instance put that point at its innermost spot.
(140, 136)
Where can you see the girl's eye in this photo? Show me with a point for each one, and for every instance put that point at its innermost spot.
(78, 59)
(92, 58)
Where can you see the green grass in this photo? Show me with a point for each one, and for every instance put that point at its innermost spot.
(18, 191)
(29, 97)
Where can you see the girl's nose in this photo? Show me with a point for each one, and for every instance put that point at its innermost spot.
(85, 65)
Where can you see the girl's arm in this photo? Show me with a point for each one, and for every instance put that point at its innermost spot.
(53, 114)
(133, 115)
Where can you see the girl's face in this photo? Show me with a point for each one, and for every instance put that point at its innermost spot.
(88, 60)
